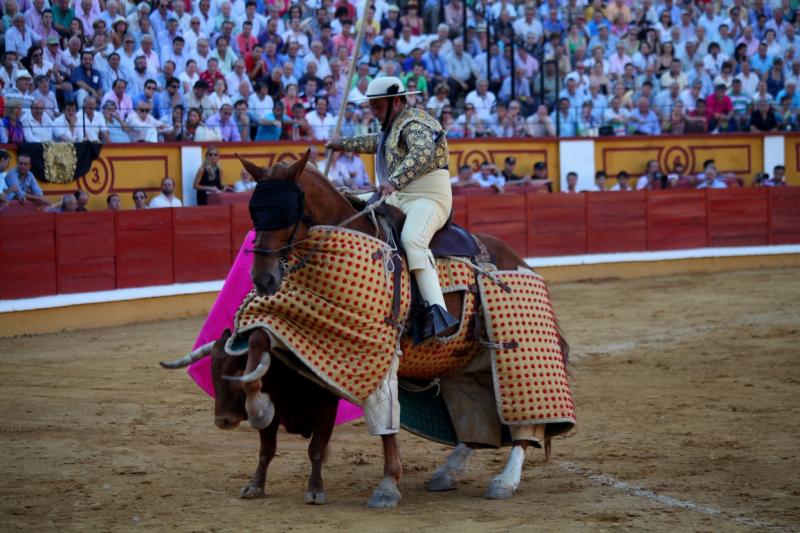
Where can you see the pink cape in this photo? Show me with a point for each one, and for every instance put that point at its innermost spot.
(235, 288)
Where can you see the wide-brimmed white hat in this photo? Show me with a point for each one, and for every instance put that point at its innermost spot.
(385, 87)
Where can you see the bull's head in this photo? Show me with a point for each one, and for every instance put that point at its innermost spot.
(278, 212)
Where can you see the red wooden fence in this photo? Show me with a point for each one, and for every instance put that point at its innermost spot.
(43, 254)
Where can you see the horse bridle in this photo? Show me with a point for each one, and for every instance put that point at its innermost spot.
(282, 252)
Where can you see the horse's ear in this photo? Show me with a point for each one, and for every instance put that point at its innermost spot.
(297, 167)
(256, 171)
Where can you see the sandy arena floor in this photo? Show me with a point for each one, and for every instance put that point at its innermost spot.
(688, 395)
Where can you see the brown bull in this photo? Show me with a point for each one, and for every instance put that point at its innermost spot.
(300, 405)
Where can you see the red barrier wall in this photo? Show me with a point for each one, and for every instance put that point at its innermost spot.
(616, 222)
(676, 220)
(202, 241)
(85, 252)
(46, 253)
(556, 224)
(784, 215)
(144, 248)
(27, 255)
(737, 217)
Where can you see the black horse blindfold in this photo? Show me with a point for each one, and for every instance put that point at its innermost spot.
(276, 204)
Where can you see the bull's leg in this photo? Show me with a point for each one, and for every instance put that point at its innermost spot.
(269, 443)
(387, 495)
(446, 476)
(503, 485)
(315, 495)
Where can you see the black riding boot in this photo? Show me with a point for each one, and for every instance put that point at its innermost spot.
(433, 321)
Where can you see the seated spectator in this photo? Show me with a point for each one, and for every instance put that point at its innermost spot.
(139, 199)
(711, 179)
(21, 185)
(643, 121)
(322, 123)
(224, 124)
(115, 123)
(91, 125)
(487, 176)
(651, 179)
(572, 183)
(464, 178)
(83, 201)
(85, 79)
(246, 182)
(270, 123)
(565, 119)
(510, 176)
(785, 115)
(113, 202)
(167, 197)
(622, 182)
(357, 173)
(37, 125)
(697, 120)
(762, 119)
(439, 100)
(142, 126)
(67, 204)
(297, 127)
(12, 123)
(599, 182)
(65, 127)
(719, 110)
(778, 177)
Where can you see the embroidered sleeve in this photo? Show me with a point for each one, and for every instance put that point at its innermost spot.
(421, 155)
(365, 144)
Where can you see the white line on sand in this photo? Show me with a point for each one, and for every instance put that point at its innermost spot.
(688, 505)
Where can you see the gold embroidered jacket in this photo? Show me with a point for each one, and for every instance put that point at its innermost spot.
(416, 145)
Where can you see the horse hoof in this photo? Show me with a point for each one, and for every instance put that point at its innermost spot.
(499, 491)
(251, 491)
(441, 482)
(386, 496)
(315, 498)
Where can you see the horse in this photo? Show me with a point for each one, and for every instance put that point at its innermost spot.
(322, 204)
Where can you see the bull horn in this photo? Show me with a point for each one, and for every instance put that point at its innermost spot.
(190, 358)
(257, 373)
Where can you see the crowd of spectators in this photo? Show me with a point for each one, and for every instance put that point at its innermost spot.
(178, 70)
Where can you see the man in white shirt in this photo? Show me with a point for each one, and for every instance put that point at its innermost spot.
(483, 99)
(322, 123)
(91, 124)
(748, 78)
(37, 124)
(488, 177)
(167, 196)
(528, 24)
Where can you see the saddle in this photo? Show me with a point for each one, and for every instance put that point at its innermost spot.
(450, 241)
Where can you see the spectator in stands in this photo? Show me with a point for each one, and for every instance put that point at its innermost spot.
(12, 123)
(91, 125)
(113, 202)
(599, 182)
(322, 123)
(651, 179)
(139, 199)
(540, 174)
(21, 185)
(114, 123)
(167, 197)
(464, 178)
(224, 125)
(622, 182)
(642, 120)
(67, 204)
(711, 179)
(762, 119)
(270, 123)
(142, 126)
(510, 177)
(564, 119)
(488, 177)
(719, 110)
(86, 79)
(246, 182)
(37, 125)
(82, 197)
(297, 127)
(572, 182)
(778, 177)
(208, 178)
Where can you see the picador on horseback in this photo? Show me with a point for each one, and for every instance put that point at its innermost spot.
(332, 299)
(411, 167)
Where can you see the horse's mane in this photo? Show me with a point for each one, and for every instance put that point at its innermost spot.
(324, 183)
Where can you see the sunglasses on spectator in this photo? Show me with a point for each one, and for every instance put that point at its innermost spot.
(143, 110)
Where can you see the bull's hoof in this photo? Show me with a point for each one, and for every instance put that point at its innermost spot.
(249, 492)
(313, 497)
(441, 481)
(498, 490)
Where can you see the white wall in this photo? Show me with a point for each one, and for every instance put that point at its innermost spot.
(191, 159)
(774, 153)
(577, 156)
